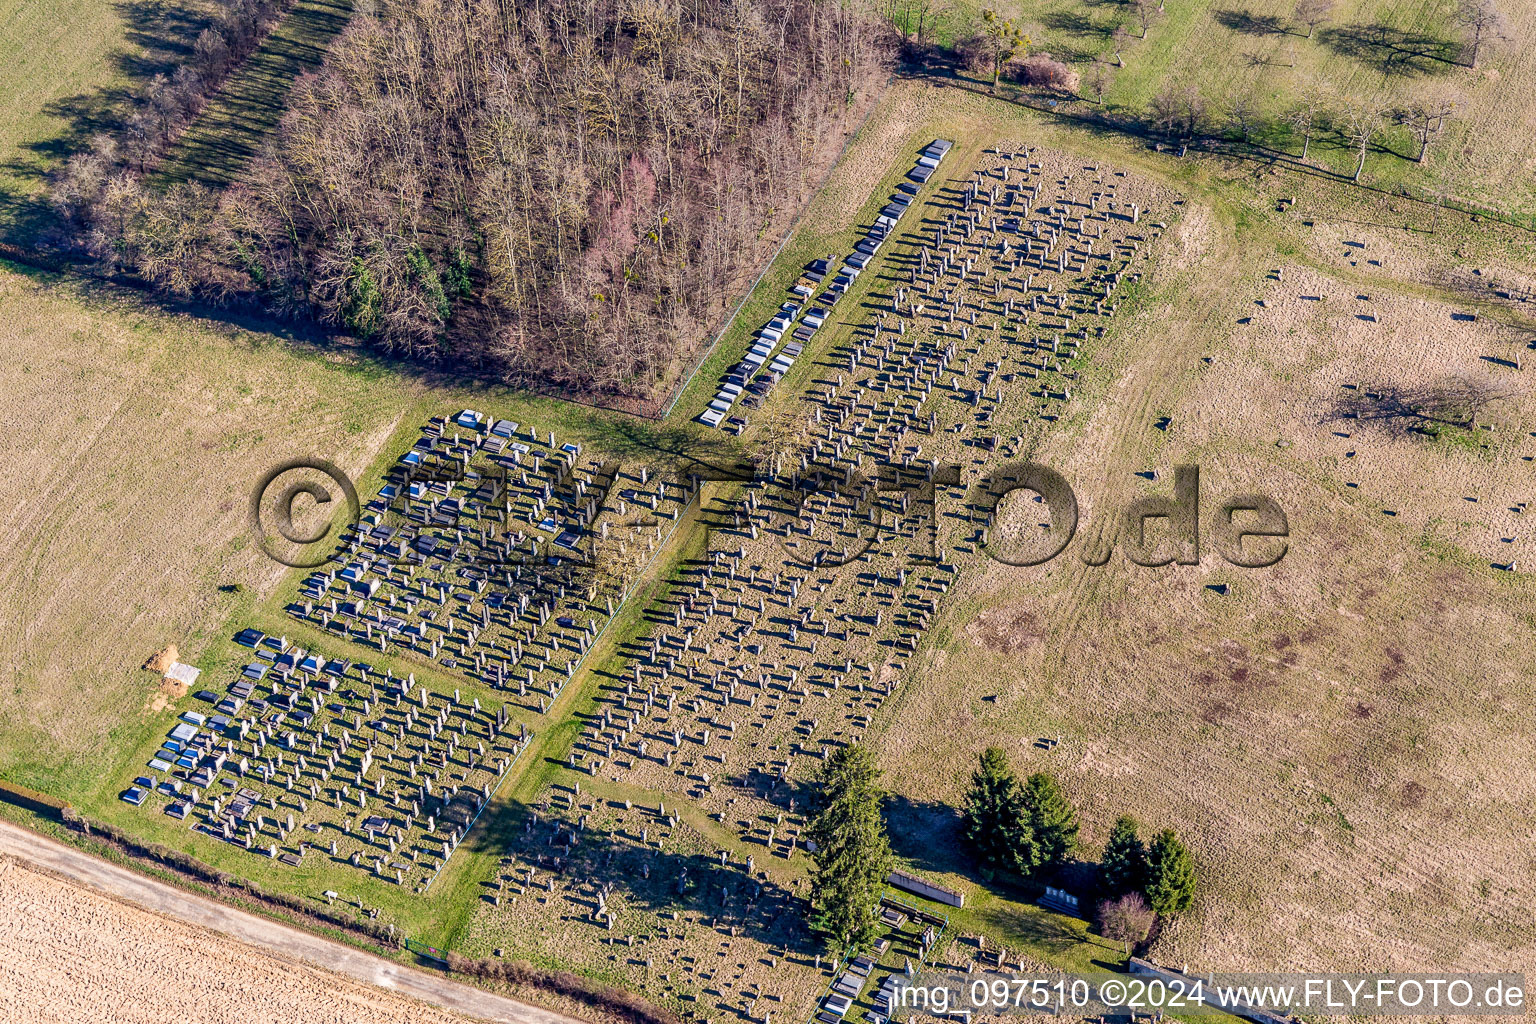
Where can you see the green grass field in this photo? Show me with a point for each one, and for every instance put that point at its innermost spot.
(65, 70)
(1368, 53)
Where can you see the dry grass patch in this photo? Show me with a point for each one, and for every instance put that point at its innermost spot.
(133, 441)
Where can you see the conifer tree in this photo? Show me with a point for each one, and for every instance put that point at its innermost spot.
(1170, 874)
(1051, 819)
(852, 856)
(1124, 868)
(996, 826)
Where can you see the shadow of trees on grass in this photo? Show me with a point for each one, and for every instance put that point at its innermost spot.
(1394, 52)
(157, 37)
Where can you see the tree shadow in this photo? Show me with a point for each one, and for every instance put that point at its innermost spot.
(157, 37)
(1075, 22)
(617, 852)
(239, 119)
(677, 449)
(1455, 402)
(1040, 928)
(1250, 23)
(926, 834)
(1393, 51)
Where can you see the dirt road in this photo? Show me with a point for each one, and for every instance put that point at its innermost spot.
(74, 954)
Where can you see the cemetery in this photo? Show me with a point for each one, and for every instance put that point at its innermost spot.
(659, 843)
(796, 630)
(490, 554)
(309, 755)
(665, 847)
(552, 697)
(495, 553)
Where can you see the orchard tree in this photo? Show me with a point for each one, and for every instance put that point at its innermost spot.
(1361, 126)
(1099, 81)
(853, 855)
(1484, 23)
(1051, 819)
(1170, 875)
(996, 825)
(1313, 13)
(1118, 38)
(1124, 868)
(1305, 115)
(1425, 116)
(1241, 112)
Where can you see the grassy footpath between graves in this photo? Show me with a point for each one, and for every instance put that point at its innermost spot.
(877, 159)
(479, 856)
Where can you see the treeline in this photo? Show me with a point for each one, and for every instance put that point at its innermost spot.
(167, 103)
(559, 190)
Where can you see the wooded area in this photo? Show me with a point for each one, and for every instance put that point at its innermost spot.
(559, 191)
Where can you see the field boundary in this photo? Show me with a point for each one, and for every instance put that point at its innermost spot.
(277, 937)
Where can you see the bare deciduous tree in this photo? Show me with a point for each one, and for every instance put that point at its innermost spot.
(928, 15)
(1312, 13)
(1484, 22)
(1127, 920)
(1118, 38)
(1193, 108)
(1099, 81)
(1164, 111)
(1425, 116)
(1241, 112)
(1361, 126)
(1304, 116)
